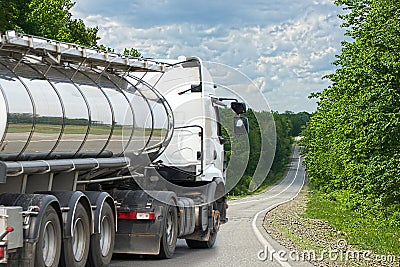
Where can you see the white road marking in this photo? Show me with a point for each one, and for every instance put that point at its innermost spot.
(257, 232)
(273, 196)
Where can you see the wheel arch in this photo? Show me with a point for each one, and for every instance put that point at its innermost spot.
(98, 199)
(220, 190)
(69, 200)
(38, 203)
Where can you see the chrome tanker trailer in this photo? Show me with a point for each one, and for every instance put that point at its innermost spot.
(102, 153)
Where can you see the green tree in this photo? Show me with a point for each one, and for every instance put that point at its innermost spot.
(249, 148)
(296, 121)
(80, 34)
(47, 18)
(283, 142)
(131, 52)
(51, 19)
(352, 141)
(13, 14)
(9, 14)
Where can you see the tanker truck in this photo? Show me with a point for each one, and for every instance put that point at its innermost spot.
(102, 153)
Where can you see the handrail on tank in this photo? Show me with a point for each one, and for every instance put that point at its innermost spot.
(58, 52)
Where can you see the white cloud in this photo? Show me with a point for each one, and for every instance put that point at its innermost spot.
(283, 49)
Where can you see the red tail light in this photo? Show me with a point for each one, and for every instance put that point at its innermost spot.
(133, 215)
(2, 252)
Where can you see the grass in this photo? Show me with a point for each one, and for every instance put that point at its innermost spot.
(363, 231)
(51, 129)
(270, 180)
(273, 177)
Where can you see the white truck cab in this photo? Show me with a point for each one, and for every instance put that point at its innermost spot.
(196, 145)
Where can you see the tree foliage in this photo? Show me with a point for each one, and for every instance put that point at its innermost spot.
(47, 18)
(352, 141)
(272, 122)
(51, 19)
(297, 121)
(132, 52)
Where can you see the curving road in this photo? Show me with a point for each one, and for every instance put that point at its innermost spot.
(242, 241)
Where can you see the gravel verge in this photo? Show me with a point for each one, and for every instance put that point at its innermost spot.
(314, 240)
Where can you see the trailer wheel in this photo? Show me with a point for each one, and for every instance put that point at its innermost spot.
(102, 245)
(79, 247)
(48, 247)
(170, 232)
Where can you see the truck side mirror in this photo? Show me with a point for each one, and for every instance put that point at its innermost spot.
(240, 125)
(238, 107)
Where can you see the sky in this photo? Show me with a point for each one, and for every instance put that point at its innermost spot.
(284, 46)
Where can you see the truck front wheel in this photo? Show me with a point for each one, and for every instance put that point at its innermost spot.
(216, 221)
(48, 247)
(203, 244)
(170, 233)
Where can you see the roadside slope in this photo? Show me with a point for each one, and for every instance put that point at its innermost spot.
(303, 236)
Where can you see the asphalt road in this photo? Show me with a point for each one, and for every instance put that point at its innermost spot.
(243, 240)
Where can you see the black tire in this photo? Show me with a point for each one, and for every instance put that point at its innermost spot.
(76, 252)
(203, 244)
(211, 240)
(48, 247)
(102, 245)
(170, 232)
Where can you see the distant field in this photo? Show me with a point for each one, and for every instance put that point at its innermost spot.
(70, 129)
(77, 129)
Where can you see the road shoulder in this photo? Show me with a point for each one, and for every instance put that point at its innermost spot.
(312, 240)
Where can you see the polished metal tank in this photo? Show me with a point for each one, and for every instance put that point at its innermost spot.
(71, 111)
